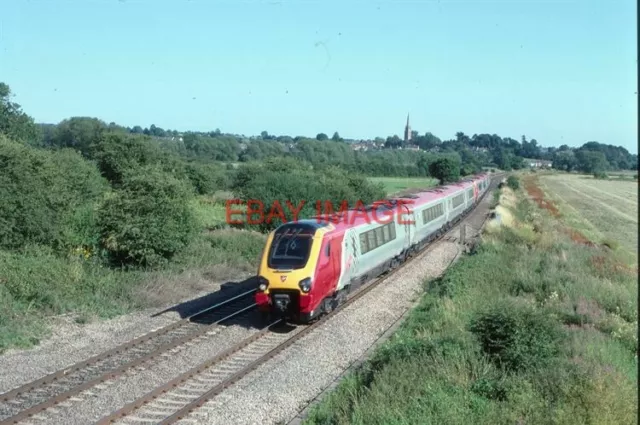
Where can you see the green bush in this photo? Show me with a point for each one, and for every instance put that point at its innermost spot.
(148, 219)
(36, 282)
(79, 133)
(119, 154)
(41, 194)
(513, 182)
(517, 337)
(445, 169)
(206, 178)
(600, 175)
(295, 185)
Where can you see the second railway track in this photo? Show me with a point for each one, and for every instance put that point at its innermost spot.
(29, 399)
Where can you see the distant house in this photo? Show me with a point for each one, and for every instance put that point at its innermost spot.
(538, 163)
(360, 146)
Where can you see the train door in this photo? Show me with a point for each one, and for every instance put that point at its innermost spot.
(409, 220)
(350, 251)
(325, 276)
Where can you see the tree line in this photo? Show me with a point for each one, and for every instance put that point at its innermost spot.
(125, 193)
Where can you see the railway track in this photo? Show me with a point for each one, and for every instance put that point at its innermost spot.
(27, 400)
(176, 399)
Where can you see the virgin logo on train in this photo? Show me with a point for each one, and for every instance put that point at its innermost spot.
(283, 278)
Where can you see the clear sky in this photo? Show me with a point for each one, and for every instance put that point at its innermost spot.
(557, 71)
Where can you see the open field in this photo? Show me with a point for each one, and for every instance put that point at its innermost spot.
(396, 184)
(604, 210)
(537, 327)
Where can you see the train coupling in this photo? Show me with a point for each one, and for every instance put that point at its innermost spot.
(282, 302)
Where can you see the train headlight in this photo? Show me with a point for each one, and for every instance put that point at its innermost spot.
(263, 283)
(305, 285)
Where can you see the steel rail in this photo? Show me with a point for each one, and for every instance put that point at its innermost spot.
(202, 399)
(113, 373)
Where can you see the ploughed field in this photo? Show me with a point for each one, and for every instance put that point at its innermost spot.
(606, 211)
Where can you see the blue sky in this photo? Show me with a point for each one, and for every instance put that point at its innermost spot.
(557, 71)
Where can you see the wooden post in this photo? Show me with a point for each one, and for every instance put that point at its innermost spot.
(463, 232)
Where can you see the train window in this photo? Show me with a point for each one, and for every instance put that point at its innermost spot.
(377, 237)
(385, 233)
(290, 248)
(457, 201)
(432, 213)
(371, 240)
(364, 248)
(380, 236)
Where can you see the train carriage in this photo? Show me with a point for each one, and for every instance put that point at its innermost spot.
(308, 266)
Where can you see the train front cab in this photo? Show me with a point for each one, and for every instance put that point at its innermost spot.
(297, 270)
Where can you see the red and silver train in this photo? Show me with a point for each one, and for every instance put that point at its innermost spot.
(309, 266)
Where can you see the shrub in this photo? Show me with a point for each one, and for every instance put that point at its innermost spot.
(600, 175)
(79, 133)
(148, 219)
(288, 180)
(517, 337)
(513, 182)
(206, 178)
(446, 169)
(119, 154)
(41, 192)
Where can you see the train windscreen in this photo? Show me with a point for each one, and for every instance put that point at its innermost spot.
(290, 248)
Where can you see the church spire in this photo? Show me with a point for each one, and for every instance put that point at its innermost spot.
(407, 130)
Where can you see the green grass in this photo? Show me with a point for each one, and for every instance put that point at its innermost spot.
(396, 184)
(211, 213)
(527, 329)
(37, 284)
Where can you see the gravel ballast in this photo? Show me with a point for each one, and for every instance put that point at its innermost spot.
(70, 343)
(279, 389)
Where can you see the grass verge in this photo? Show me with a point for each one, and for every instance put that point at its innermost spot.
(36, 284)
(531, 328)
